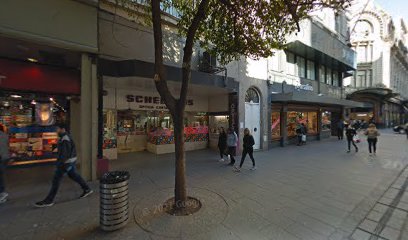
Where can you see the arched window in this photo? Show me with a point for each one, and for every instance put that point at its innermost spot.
(252, 96)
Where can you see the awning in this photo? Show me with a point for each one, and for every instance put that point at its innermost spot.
(298, 97)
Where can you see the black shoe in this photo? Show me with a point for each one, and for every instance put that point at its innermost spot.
(231, 164)
(348, 151)
(86, 193)
(356, 149)
(44, 203)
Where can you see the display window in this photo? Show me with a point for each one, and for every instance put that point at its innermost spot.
(326, 121)
(307, 118)
(275, 126)
(30, 122)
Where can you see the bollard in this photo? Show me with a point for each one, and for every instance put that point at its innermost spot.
(114, 200)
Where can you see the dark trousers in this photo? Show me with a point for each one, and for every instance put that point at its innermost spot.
(222, 152)
(349, 142)
(250, 152)
(70, 170)
(2, 187)
(372, 144)
(299, 137)
(340, 133)
(231, 152)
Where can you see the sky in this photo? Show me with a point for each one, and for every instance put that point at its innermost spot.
(397, 8)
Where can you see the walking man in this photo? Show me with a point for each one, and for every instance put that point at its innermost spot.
(248, 148)
(4, 156)
(67, 157)
(350, 133)
(222, 143)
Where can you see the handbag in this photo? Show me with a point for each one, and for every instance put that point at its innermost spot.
(356, 139)
(303, 138)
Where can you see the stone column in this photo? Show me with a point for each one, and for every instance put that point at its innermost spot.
(87, 128)
(283, 125)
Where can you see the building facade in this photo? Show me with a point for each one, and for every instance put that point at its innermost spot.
(48, 75)
(381, 79)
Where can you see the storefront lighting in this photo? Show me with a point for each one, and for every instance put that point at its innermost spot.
(33, 102)
(32, 60)
(6, 104)
(52, 99)
(15, 96)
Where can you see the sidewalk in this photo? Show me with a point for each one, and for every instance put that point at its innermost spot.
(317, 191)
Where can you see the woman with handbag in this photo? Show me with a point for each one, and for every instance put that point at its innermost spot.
(351, 135)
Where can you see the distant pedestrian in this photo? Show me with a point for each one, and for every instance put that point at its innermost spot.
(300, 131)
(248, 148)
(4, 156)
(350, 135)
(222, 143)
(340, 129)
(304, 133)
(232, 142)
(66, 160)
(372, 137)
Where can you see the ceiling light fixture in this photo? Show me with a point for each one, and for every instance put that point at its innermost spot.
(32, 60)
(15, 96)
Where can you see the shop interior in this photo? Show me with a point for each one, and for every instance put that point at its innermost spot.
(30, 120)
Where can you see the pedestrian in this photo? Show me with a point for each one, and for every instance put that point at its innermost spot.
(248, 148)
(222, 143)
(372, 137)
(304, 129)
(66, 160)
(340, 129)
(299, 133)
(4, 156)
(350, 133)
(232, 141)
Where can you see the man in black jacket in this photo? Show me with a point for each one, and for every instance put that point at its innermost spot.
(67, 157)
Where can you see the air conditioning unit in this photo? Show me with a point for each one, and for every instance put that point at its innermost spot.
(208, 63)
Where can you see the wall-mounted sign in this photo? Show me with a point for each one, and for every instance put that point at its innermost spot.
(304, 87)
(150, 99)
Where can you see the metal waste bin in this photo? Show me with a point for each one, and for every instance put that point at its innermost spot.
(114, 200)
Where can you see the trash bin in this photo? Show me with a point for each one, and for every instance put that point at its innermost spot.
(114, 200)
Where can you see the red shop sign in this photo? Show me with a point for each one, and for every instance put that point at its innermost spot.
(32, 77)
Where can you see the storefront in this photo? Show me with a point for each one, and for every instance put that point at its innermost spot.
(319, 115)
(33, 99)
(136, 120)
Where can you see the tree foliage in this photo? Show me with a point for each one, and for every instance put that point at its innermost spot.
(249, 28)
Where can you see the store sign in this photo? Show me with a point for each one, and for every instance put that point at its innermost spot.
(304, 87)
(151, 102)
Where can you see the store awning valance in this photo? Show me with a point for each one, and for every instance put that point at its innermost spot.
(384, 93)
(298, 97)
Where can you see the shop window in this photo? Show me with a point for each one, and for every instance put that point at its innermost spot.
(322, 74)
(30, 124)
(326, 121)
(109, 129)
(275, 126)
(310, 70)
(301, 64)
(336, 79)
(252, 96)
(296, 118)
(328, 76)
(290, 64)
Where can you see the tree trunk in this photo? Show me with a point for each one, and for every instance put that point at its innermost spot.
(180, 191)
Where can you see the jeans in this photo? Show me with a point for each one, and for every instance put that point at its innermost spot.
(222, 152)
(250, 152)
(231, 152)
(340, 133)
(372, 143)
(349, 142)
(61, 170)
(2, 187)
